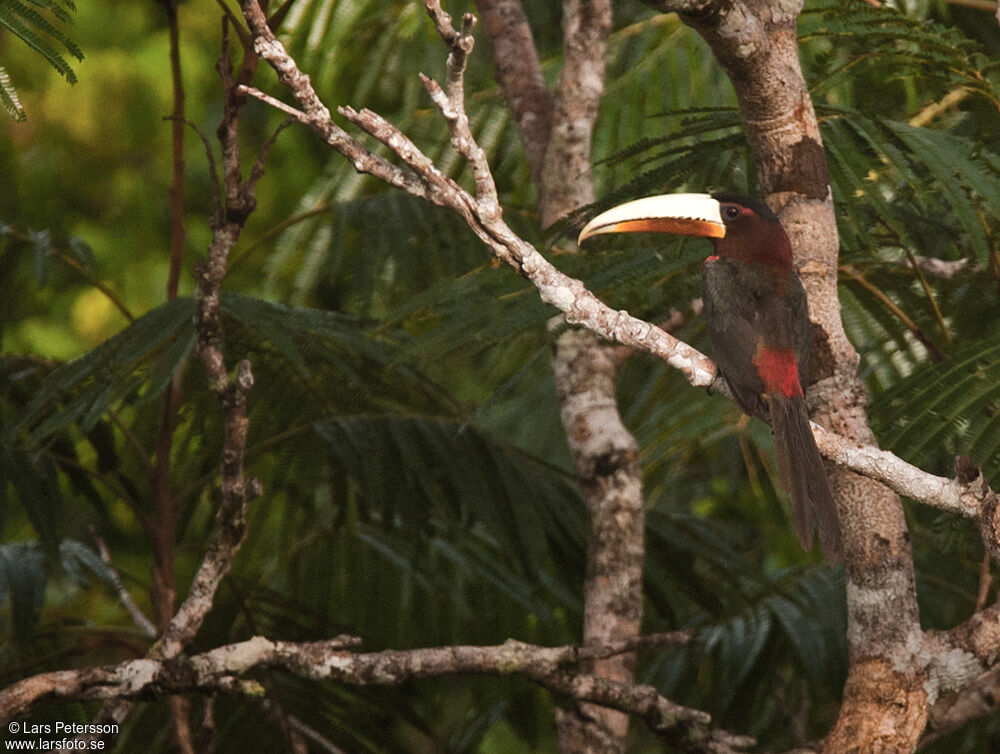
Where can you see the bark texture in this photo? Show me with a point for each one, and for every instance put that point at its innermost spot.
(607, 465)
(222, 668)
(897, 671)
(556, 132)
(519, 72)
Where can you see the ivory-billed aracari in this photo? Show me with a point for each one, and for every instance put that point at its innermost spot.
(758, 324)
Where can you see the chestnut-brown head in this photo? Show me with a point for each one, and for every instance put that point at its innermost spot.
(753, 232)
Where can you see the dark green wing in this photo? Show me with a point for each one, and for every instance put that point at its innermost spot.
(733, 319)
(748, 305)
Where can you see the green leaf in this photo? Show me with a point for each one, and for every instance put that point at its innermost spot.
(33, 479)
(19, 27)
(521, 501)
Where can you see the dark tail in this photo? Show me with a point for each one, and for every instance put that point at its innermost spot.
(801, 472)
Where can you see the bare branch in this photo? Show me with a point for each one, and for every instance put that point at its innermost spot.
(325, 659)
(223, 668)
(964, 499)
(237, 491)
(951, 100)
(452, 104)
(459, 44)
(317, 116)
(484, 217)
(941, 268)
(274, 102)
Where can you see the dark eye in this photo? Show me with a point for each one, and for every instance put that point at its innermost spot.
(730, 212)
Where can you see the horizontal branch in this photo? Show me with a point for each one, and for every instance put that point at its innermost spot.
(224, 668)
(949, 495)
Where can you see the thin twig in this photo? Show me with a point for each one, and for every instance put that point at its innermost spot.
(70, 261)
(274, 102)
(227, 221)
(143, 623)
(209, 156)
(108, 292)
(912, 260)
(949, 102)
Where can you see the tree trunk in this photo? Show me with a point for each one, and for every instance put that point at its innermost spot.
(885, 706)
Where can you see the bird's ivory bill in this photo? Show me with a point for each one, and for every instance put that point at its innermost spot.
(682, 214)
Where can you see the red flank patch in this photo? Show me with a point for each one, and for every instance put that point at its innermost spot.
(779, 370)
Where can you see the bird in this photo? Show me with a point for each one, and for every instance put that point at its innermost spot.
(758, 325)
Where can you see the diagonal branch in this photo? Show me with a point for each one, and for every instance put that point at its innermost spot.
(569, 294)
(967, 496)
(484, 217)
(144, 624)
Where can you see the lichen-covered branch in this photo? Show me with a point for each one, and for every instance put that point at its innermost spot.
(967, 498)
(224, 669)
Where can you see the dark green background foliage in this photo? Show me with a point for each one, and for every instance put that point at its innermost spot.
(404, 423)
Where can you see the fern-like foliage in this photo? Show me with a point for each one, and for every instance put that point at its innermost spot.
(947, 409)
(753, 628)
(845, 44)
(138, 362)
(9, 98)
(36, 23)
(404, 421)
